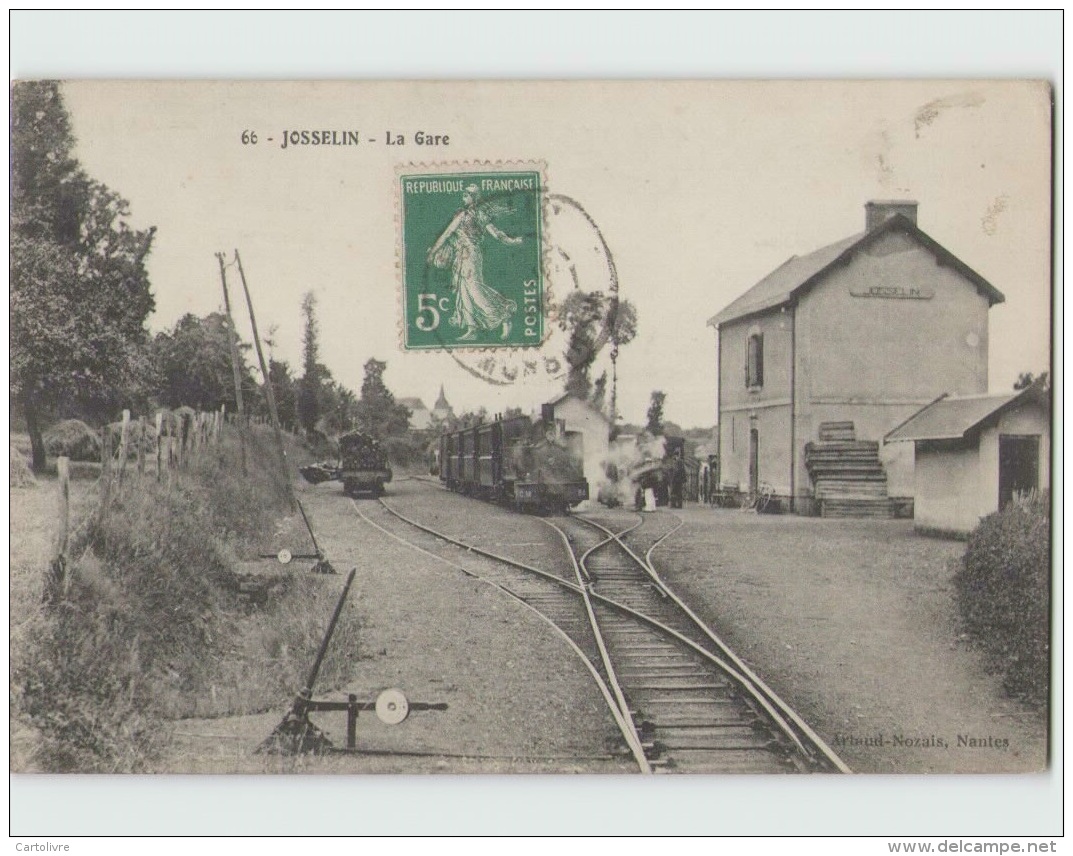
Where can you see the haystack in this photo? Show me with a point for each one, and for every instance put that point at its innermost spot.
(21, 474)
(73, 438)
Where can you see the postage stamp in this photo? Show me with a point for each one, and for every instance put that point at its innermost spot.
(470, 256)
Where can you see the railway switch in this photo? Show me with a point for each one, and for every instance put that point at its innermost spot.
(296, 735)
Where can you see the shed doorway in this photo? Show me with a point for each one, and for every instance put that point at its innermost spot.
(1018, 466)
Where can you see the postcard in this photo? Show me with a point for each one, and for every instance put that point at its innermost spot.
(595, 427)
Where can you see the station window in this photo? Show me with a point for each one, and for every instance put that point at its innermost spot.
(754, 361)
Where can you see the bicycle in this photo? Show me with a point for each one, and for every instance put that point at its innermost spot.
(758, 500)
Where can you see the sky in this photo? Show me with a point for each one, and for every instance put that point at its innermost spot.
(698, 188)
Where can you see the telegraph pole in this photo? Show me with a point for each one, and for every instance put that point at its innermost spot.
(269, 392)
(234, 364)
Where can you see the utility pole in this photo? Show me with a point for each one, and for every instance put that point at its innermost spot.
(269, 392)
(234, 364)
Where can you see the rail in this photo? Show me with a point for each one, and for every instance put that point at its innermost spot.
(624, 724)
(747, 678)
(806, 742)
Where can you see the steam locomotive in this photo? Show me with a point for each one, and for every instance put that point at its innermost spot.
(531, 464)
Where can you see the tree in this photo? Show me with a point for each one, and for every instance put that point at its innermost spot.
(599, 391)
(193, 361)
(79, 287)
(1026, 379)
(672, 429)
(470, 418)
(378, 413)
(309, 393)
(285, 390)
(654, 425)
(338, 408)
(593, 320)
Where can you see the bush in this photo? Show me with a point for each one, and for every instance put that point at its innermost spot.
(73, 438)
(405, 451)
(320, 445)
(1003, 591)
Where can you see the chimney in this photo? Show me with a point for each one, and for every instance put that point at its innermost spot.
(879, 210)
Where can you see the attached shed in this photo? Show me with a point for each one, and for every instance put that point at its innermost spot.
(974, 454)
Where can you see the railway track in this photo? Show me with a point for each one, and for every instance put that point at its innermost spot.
(700, 705)
(679, 697)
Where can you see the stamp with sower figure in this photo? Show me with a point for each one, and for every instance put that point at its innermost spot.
(471, 241)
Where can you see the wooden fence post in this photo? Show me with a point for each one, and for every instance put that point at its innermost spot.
(180, 453)
(124, 434)
(106, 475)
(56, 578)
(159, 443)
(174, 420)
(140, 434)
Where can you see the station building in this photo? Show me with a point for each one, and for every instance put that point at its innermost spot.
(825, 355)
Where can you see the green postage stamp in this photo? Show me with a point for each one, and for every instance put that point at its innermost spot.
(470, 253)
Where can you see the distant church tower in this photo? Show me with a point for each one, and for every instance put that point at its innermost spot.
(441, 409)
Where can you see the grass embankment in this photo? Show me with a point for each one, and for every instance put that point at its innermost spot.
(151, 625)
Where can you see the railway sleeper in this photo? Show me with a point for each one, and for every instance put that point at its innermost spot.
(726, 761)
(650, 646)
(719, 731)
(667, 686)
(702, 702)
(663, 687)
(683, 672)
(657, 661)
(707, 719)
(711, 743)
(627, 630)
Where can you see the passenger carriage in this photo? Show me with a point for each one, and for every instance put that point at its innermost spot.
(532, 465)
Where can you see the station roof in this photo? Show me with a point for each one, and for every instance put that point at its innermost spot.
(798, 273)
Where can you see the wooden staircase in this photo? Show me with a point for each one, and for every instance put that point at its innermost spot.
(847, 476)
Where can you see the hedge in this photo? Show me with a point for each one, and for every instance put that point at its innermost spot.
(1003, 590)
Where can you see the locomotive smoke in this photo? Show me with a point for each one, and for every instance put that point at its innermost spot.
(610, 478)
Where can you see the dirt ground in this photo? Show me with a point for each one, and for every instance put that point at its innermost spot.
(854, 624)
(439, 636)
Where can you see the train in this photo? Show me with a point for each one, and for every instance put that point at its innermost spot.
(363, 464)
(533, 465)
